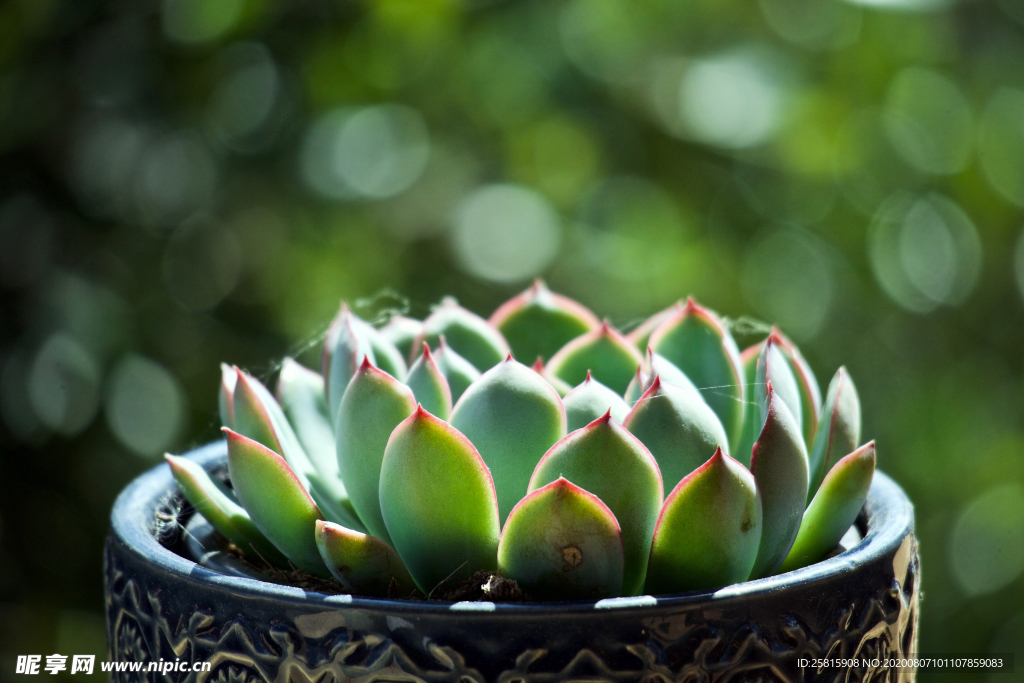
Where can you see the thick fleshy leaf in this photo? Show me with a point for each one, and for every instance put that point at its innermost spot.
(709, 530)
(588, 402)
(538, 322)
(779, 466)
(773, 369)
(512, 416)
(402, 332)
(680, 430)
(752, 422)
(223, 512)
(640, 335)
(429, 385)
(458, 371)
(276, 501)
(300, 392)
(834, 508)
(561, 386)
(609, 462)
(251, 414)
(226, 395)
(656, 365)
(637, 386)
(604, 352)
(374, 404)
(388, 357)
(563, 543)
(699, 344)
(362, 563)
(345, 348)
(810, 392)
(438, 502)
(468, 334)
(258, 416)
(839, 428)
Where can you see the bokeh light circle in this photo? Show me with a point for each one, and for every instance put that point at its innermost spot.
(924, 251)
(506, 233)
(373, 153)
(63, 385)
(144, 405)
(986, 546)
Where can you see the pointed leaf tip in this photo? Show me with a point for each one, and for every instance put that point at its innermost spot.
(563, 542)
(708, 531)
(361, 562)
(607, 461)
(589, 377)
(276, 500)
(779, 465)
(833, 509)
(426, 461)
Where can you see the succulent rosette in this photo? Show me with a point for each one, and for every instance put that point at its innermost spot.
(540, 444)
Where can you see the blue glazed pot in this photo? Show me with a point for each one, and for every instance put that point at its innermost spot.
(861, 603)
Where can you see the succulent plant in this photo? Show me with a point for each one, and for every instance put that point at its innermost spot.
(659, 461)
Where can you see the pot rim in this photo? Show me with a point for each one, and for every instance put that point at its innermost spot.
(888, 512)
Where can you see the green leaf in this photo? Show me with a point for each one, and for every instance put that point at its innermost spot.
(538, 322)
(779, 466)
(224, 513)
(226, 395)
(258, 416)
(468, 334)
(700, 345)
(679, 429)
(300, 392)
(810, 393)
(563, 543)
(773, 369)
(429, 385)
(752, 422)
(276, 501)
(301, 395)
(609, 462)
(659, 366)
(834, 508)
(345, 348)
(604, 352)
(374, 404)
(640, 335)
(458, 371)
(589, 401)
(637, 386)
(387, 356)
(512, 416)
(251, 414)
(402, 332)
(438, 502)
(362, 563)
(709, 530)
(839, 429)
(563, 388)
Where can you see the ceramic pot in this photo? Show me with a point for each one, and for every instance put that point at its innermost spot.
(214, 626)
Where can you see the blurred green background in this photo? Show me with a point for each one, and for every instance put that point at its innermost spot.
(187, 181)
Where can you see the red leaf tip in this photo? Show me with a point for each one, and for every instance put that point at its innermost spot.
(589, 376)
(538, 365)
(366, 364)
(508, 357)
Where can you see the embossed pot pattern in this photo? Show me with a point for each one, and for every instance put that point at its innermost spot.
(162, 606)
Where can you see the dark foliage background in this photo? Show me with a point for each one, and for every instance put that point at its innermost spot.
(185, 182)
